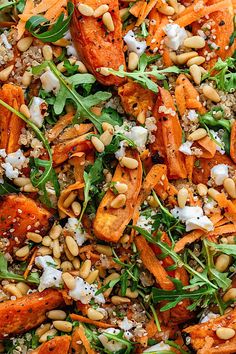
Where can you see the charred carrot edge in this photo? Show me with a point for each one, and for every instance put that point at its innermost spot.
(83, 319)
(59, 126)
(31, 262)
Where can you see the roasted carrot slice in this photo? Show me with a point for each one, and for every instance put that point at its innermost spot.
(233, 142)
(81, 332)
(21, 315)
(110, 223)
(98, 47)
(83, 319)
(208, 147)
(57, 345)
(18, 215)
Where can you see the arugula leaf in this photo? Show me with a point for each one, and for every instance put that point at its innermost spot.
(209, 120)
(6, 188)
(20, 5)
(224, 248)
(36, 24)
(6, 3)
(119, 338)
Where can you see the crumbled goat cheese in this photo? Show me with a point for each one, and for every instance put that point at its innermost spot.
(121, 151)
(139, 135)
(175, 35)
(134, 45)
(157, 347)
(146, 222)
(193, 218)
(126, 324)
(221, 145)
(210, 206)
(111, 344)
(16, 159)
(85, 292)
(219, 173)
(50, 82)
(3, 153)
(10, 172)
(209, 317)
(75, 226)
(51, 277)
(192, 115)
(185, 148)
(5, 41)
(37, 110)
(44, 261)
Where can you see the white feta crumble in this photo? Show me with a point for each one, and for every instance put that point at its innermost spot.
(145, 222)
(75, 226)
(37, 110)
(5, 41)
(193, 218)
(85, 292)
(208, 317)
(139, 135)
(134, 45)
(192, 115)
(3, 153)
(51, 277)
(16, 159)
(185, 148)
(126, 324)
(203, 223)
(221, 145)
(175, 35)
(210, 206)
(157, 347)
(219, 173)
(50, 82)
(111, 344)
(10, 172)
(44, 261)
(121, 151)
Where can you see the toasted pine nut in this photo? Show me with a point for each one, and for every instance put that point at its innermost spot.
(174, 4)
(56, 315)
(182, 197)
(72, 246)
(46, 241)
(196, 73)
(85, 10)
(69, 256)
(166, 10)
(21, 181)
(50, 333)
(108, 21)
(81, 67)
(57, 261)
(141, 117)
(213, 193)
(92, 276)
(56, 249)
(133, 61)
(47, 52)
(124, 239)
(183, 58)
(131, 294)
(76, 263)
(25, 111)
(121, 187)
(29, 188)
(85, 269)
(98, 144)
(69, 200)
(100, 10)
(119, 201)
(230, 295)
(69, 280)
(26, 78)
(197, 134)
(62, 42)
(225, 333)
(210, 93)
(34, 237)
(229, 186)
(196, 60)
(12, 289)
(76, 208)
(222, 262)
(5, 73)
(106, 137)
(120, 300)
(107, 126)
(24, 43)
(22, 252)
(55, 231)
(152, 202)
(103, 71)
(123, 13)
(202, 189)
(128, 162)
(42, 329)
(103, 249)
(195, 42)
(66, 266)
(24, 288)
(94, 314)
(110, 277)
(44, 251)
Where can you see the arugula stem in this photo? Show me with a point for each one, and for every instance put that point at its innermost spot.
(196, 258)
(155, 318)
(157, 200)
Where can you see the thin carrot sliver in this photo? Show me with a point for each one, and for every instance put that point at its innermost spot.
(83, 319)
(145, 13)
(31, 262)
(187, 239)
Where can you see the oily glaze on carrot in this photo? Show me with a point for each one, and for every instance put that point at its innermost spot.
(97, 47)
(21, 315)
(18, 215)
(110, 223)
(56, 345)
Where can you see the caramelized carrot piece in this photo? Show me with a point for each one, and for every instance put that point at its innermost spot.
(56, 345)
(83, 319)
(233, 142)
(208, 147)
(136, 8)
(60, 125)
(187, 239)
(180, 99)
(85, 340)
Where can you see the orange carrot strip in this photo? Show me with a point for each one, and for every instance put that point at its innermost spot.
(215, 218)
(83, 319)
(31, 262)
(209, 147)
(145, 13)
(223, 221)
(136, 8)
(189, 163)
(221, 230)
(61, 124)
(85, 340)
(180, 99)
(233, 142)
(166, 57)
(54, 11)
(159, 33)
(43, 6)
(187, 239)
(21, 24)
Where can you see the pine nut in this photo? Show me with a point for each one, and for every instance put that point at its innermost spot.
(34, 237)
(69, 256)
(85, 269)
(44, 251)
(103, 249)
(121, 187)
(106, 137)
(94, 314)
(69, 200)
(108, 21)
(57, 261)
(5, 73)
(24, 43)
(92, 276)
(123, 13)
(81, 67)
(85, 10)
(196, 73)
(182, 197)
(110, 277)
(119, 201)
(131, 294)
(50, 333)
(141, 117)
(69, 280)
(210, 93)
(120, 300)
(72, 246)
(213, 193)
(42, 329)
(25, 111)
(22, 252)
(230, 295)
(222, 262)
(183, 58)
(229, 186)
(107, 126)
(174, 4)
(21, 181)
(55, 231)
(46, 241)
(202, 189)
(98, 144)
(133, 61)
(76, 208)
(152, 202)
(196, 60)
(29, 188)
(47, 52)
(100, 10)
(26, 78)
(197, 134)
(56, 315)
(195, 42)
(166, 10)
(23, 288)
(76, 263)
(61, 43)
(103, 71)
(12, 289)
(225, 333)
(61, 67)
(56, 249)
(128, 162)
(231, 240)
(66, 266)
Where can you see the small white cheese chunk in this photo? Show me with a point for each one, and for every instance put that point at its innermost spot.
(175, 35)
(10, 172)
(193, 218)
(44, 261)
(37, 110)
(51, 277)
(3, 153)
(209, 316)
(185, 148)
(50, 82)
(126, 324)
(16, 159)
(5, 41)
(219, 173)
(85, 292)
(202, 222)
(121, 151)
(134, 45)
(139, 135)
(73, 225)
(111, 344)
(156, 348)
